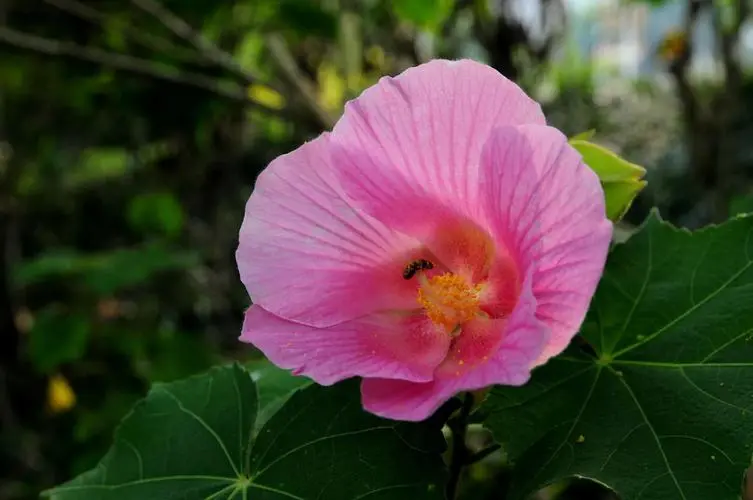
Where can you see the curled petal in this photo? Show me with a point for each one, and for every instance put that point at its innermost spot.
(548, 208)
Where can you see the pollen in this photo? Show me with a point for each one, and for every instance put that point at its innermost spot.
(449, 300)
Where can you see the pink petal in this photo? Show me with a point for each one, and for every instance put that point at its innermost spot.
(413, 143)
(478, 341)
(523, 337)
(548, 207)
(462, 247)
(307, 255)
(502, 287)
(379, 345)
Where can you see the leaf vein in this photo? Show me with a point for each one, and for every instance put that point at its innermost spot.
(387, 488)
(240, 420)
(550, 388)
(586, 400)
(701, 440)
(319, 440)
(203, 423)
(217, 493)
(136, 452)
(727, 344)
(644, 286)
(149, 480)
(274, 490)
(711, 396)
(654, 434)
(617, 446)
(688, 312)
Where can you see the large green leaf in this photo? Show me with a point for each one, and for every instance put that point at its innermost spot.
(274, 386)
(194, 440)
(664, 411)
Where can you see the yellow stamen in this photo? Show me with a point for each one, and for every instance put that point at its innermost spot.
(449, 300)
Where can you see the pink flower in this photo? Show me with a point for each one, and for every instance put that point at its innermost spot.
(441, 238)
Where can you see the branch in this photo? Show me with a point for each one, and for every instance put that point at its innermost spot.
(183, 30)
(742, 11)
(459, 458)
(147, 40)
(679, 67)
(729, 40)
(126, 63)
(726, 45)
(279, 50)
(295, 77)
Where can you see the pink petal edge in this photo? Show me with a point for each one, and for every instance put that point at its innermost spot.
(548, 207)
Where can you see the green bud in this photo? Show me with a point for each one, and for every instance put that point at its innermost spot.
(621, 180)
(583, 136)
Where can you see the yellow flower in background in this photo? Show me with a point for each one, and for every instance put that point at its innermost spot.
(60, 395)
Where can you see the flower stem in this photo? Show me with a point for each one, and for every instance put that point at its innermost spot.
(458, 426)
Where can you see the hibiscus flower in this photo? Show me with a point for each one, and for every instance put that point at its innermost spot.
(441, 238)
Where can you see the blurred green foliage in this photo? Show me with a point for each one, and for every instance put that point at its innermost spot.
(427, 14)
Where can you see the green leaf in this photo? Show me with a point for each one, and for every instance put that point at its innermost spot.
(194, 440)
(274, 385)
(57, 337)
(427, 14)
(621, 180)
(664, 411)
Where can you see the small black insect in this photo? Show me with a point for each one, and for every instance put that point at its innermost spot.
(416, 265)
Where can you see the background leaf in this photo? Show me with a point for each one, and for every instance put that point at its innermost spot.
(104, 272)
(426, 14)
(665, 411)
(57, 337)
(159, 212)
(194, 439)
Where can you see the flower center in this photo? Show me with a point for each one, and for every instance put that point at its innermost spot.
(449, 300)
